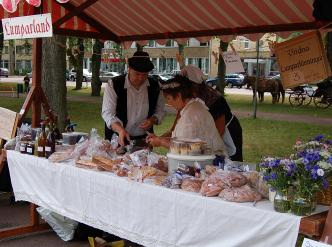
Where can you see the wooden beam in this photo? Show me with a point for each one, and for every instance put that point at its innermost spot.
(313, 225)
(83, 34)
(91, 21)
(36, 81)
(13, 232)
(71, 14)
(228, 31)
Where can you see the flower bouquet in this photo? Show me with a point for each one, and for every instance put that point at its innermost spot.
(279, 175)
(313, 161)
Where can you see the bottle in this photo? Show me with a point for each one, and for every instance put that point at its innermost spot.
(49, 145)
(36, 142)
(41, 142)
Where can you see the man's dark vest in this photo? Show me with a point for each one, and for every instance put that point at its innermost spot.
(121, 104)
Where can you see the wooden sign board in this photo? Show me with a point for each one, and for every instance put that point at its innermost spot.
(8, 123)
(26, 27)
(302, 60)
(233, 62)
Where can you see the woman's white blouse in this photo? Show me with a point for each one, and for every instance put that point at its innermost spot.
(196, 122)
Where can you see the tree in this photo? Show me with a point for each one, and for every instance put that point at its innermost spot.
(329, 48)
(12, 52)
(119, 53)
(54, 76)
(181, 56)
(75, 52)
(1, 42)
(96, 61)
(221, 84)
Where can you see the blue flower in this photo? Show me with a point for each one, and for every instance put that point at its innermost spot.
(319, 138)
(273, 176)
(328, 142)
(329, 160)
(307, 167)
(266, 178)
(305, 161)
(325, 184)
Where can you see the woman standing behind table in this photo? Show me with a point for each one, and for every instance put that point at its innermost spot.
(227, 124)
(194, 120)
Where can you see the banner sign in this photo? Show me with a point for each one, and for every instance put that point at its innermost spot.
(233, 62)
(110, 58)
(311, 243)
(26, 27)
(302, 60)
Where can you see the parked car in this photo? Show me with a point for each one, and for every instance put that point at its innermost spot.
(234, 80)
(104, 76)
(212, 82)
(4, 72)
(86, 75)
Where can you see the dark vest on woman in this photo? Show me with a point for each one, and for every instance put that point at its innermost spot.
(121, 104)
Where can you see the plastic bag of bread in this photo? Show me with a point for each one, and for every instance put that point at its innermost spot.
(173, 181)
(213, 185)
(161, 164)
(140, 158)
(256, 181)
(232, 179)
(191, 184)
(240, 194)
(210, 169)
(105, 164)
(123, 170)
(155, 180)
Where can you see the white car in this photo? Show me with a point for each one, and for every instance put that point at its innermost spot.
(86, 75)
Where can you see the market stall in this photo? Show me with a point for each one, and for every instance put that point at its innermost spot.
(148, 214)
(88, 20)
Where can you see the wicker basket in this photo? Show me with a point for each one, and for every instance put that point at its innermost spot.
(325, 197)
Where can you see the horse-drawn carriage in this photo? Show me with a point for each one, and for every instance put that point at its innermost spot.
(304, 94)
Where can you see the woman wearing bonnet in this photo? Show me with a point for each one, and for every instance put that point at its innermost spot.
(228, 125)
(194, 120)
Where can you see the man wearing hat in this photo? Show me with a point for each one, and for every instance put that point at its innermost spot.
(132, 103)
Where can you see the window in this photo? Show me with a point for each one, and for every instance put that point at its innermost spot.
(246, 44)
(167, 65)
(20, 49)
(203, 44)
(4, 64)
(200, 62)
(27, 65)
(5, 50)
(170, 43)
(152, 43)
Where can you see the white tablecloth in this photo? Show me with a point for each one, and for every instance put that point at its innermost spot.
(147, 214)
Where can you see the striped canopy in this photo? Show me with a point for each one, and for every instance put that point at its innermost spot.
(141, 20)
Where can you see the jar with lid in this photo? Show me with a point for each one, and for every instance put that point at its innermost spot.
(30, 148)
(23, 147)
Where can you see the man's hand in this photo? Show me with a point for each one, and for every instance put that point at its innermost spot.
(148, 123)
(123, 136)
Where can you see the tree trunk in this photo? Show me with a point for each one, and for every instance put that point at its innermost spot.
(11, 51)
(222, 68)
(181, 53)
(329, 47)
(1, 43)
(54, 76)
(96, 61)
(79, 65)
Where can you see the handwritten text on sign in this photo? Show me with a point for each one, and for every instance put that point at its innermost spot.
(302, 60)
(25, 27)
(233, 62)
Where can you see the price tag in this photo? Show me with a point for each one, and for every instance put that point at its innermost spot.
(40, 149)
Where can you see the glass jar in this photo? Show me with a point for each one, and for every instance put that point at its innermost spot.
(31, 148)
(23, 147)
(302, 206)
(281, 202)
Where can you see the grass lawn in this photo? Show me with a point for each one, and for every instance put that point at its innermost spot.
(260, 137)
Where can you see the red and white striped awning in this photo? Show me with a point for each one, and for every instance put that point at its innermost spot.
(11, 5)
(142, 20)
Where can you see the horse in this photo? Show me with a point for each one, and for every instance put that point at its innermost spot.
(265, 85)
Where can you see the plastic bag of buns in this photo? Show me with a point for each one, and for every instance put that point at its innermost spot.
(233, 179)
(256, 181)
(240, 194)
(213, 185)
(191, 184)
